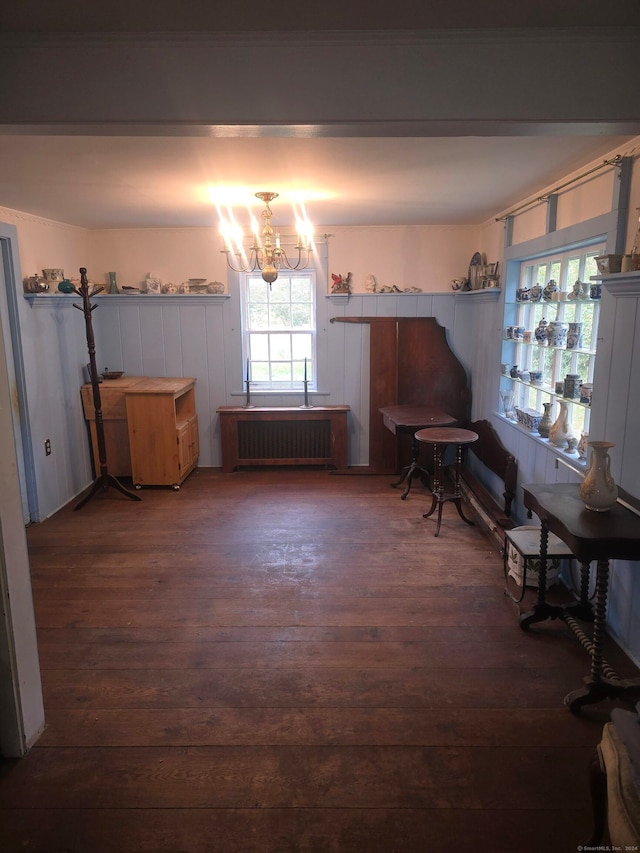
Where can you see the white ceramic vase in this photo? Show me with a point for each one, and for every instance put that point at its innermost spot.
(598, 489)
(562, 428)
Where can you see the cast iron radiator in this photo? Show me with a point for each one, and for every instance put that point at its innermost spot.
(289, 442)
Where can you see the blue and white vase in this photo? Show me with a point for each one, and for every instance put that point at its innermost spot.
(574, 336)
(557, 333)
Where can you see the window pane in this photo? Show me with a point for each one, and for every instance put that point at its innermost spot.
(281, 372)
(280, 347)
(259, 347)
(301, 316)
(573, 272)
(590, 267)
(280, 290)
(301, 290)
(299, 371)
(301, 346)
(280, 316)
(258, 316)
(258, 290)
(259, 371)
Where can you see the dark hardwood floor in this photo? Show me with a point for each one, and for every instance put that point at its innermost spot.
(284, 661)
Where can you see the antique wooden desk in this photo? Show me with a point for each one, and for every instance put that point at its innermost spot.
(590, 536)
(410, 419)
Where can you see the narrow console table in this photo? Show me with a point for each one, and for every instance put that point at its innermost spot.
(283, 436)
(590, 536)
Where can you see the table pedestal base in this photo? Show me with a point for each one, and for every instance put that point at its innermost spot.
(415, 469)
(441, 439)
(625, 690)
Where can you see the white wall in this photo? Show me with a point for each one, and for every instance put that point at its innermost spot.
(425, 257)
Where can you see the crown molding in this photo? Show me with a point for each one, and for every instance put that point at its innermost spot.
(305, 38)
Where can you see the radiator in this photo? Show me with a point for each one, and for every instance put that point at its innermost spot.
(283, 436)
(285, 441)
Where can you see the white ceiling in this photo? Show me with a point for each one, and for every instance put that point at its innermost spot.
(125, 182)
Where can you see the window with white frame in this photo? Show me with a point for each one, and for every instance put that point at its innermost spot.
(279, 330)
(553, 288)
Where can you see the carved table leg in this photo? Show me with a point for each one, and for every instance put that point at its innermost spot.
(438, 487)
(457, 490)
(541, 610)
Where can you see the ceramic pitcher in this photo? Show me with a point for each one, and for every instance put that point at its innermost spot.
(598, 489)
(562, 428)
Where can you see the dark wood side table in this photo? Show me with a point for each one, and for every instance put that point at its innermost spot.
(441, 438)
(410, 419)
(590, 536)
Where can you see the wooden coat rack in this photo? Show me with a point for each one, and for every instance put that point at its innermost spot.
(104, 479)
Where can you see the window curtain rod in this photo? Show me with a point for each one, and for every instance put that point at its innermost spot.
(613, 162)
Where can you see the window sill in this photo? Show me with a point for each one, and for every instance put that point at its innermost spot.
(287, 393)
(570, 459)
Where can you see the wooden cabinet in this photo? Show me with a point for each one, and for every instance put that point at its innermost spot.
(163, 430)
(114, 416)
(151, 428)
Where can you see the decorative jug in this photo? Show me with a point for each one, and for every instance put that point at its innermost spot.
(546, 423)
(541, 332)
(561, 429)
(549, 289)
(598, 489)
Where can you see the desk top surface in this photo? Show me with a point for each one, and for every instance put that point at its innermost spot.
(590, 535)
(415, 417)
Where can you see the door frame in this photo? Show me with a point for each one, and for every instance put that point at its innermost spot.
(10, 273)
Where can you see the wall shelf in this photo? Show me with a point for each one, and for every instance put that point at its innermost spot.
(45, 300)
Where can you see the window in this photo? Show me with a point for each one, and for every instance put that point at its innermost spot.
(536, 305)
(279, 330)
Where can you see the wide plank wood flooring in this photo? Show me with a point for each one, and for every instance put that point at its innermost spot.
(279, 661)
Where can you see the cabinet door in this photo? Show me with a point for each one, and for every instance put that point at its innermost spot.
(194, 439)
(184, 449)
(188, 446)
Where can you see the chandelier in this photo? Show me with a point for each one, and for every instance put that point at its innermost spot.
(267, 254)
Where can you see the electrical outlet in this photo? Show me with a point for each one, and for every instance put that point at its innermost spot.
(47, 447)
